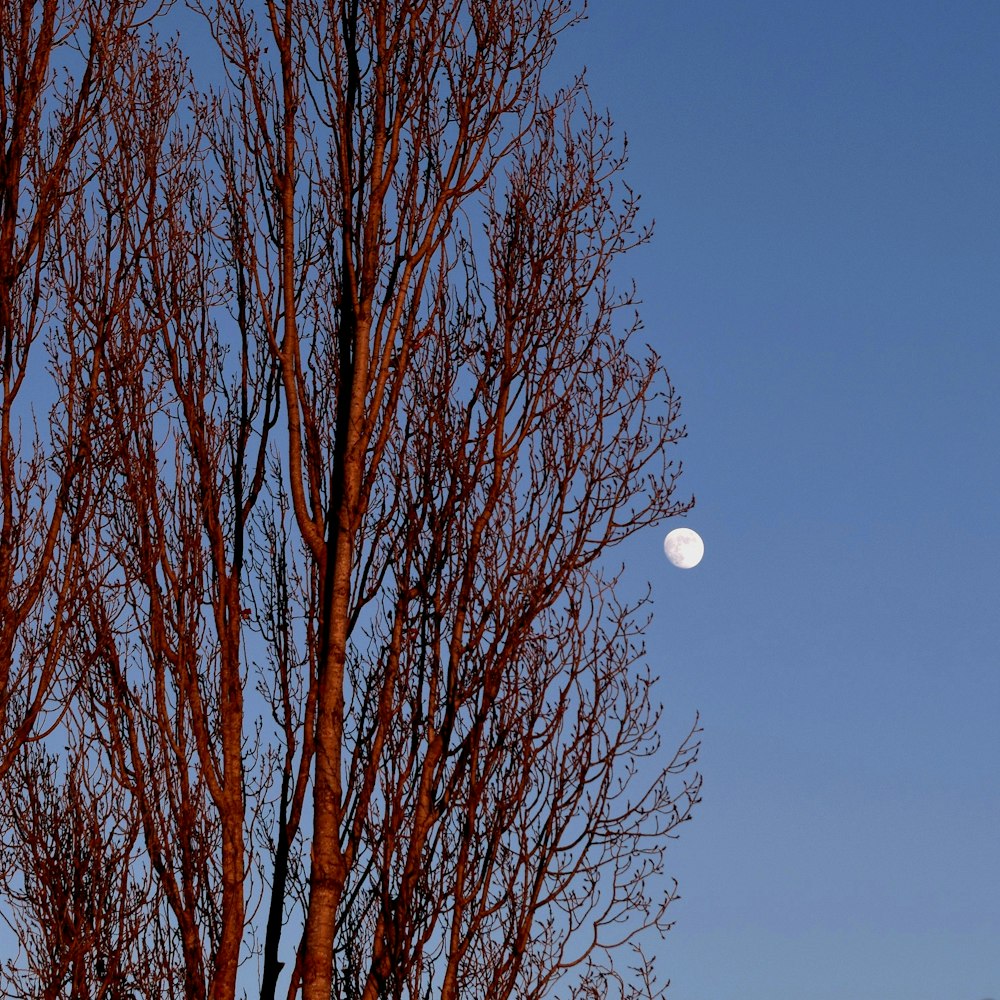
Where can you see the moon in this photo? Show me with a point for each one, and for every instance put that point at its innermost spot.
(684, 548)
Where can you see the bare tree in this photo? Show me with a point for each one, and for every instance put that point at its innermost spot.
(186, 438)
(461, 450)
(57, 62)
(384, 236)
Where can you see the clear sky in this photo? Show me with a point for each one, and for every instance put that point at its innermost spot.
(824, 286)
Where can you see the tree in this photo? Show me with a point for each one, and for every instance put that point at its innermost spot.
(48, 114)
(364, 425)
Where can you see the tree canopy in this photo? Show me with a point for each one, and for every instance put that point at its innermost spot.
(321, 415)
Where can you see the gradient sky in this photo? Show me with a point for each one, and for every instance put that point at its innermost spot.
(824, 286)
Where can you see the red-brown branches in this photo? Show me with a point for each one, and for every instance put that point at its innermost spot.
(311, 572)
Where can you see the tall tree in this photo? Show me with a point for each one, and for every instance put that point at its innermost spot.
(57, 61)
(184, 432)
(386, 238)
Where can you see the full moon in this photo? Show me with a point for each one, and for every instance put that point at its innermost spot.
(684, 548)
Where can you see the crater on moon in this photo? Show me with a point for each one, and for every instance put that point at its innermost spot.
(684, 548)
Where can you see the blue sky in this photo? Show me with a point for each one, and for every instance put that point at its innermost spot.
(824, 286)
